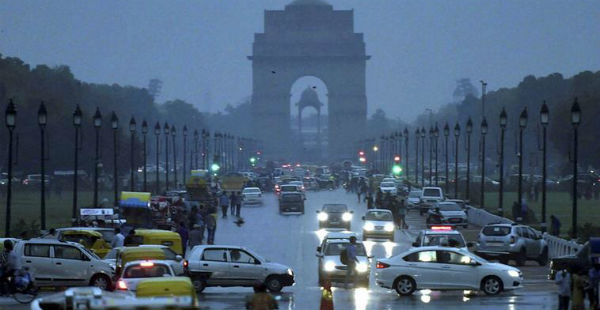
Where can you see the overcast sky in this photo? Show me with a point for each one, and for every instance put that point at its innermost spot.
(418, 48)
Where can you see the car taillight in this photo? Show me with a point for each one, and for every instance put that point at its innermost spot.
(381, 265)
(121, 285)
(185, 263)
(512, 239)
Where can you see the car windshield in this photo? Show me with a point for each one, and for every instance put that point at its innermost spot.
(289, 188)
(414, 194)
(335, 208)
(388, 184)
(431, 192)
(251, 190)
(378, 216)
(150, 271)
(335, 248)
(90, 253)
(450, 240)
(291, 197)
(496, 230)
(449, 207)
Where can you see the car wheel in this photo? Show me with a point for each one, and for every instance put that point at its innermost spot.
(101, 281)
(199, 284)
(521, 258)
(543, 259)
(274, 284)
(491, 285)
(405, 286)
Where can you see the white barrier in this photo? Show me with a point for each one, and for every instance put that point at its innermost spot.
(556, 246)
(559, 247)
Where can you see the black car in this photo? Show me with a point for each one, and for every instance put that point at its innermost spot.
(291, 202)
(334, 216)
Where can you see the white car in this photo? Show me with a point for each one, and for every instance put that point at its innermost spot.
(57, 263)
(139, 270)
(379, 224)
(388, 187)
(442, 268)
(251, 195)
(413, 199)
(441, 236)
(330, 266)
(432, 194)
(447, 213)
(223, 265)
(178, 264)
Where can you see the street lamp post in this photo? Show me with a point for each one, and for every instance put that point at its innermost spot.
(173, 141)
(406, 153)
(97, 125)
(132, 128)
(77, 125)
(144, 132)
(417, 137)
(544, 119)
(205, 136)
(575, 121)
(114, 123)
(10, 116)
(503, 121)
(185, 133)
(196, 139)
(446, 134)
(423, 133)
(436, 134)
(484, 129)
(166, 131)
(42, 121)
(157, 134)
(469, 131)
(430, 156)
(456, 139)
(522, 125)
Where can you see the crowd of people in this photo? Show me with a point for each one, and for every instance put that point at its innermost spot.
(577, 283)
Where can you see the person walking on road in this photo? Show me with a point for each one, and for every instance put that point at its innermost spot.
(232, 201)
(130, 239)
(578, 290)
(224, 202)
(238, 205)
(563, 280)
(261, 300)
(195, 237)
(118, 239)
(351, 261)
(184, 234)
(594, 280)
(211, 225)
(369, 200)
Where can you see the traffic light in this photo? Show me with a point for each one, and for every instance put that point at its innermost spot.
(397, 169)
(253, 161)
(397, 159)
(361, 153)
(215, 168)
(362, 160)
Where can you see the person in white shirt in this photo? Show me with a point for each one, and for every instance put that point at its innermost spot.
(118, 240)
(563, 280)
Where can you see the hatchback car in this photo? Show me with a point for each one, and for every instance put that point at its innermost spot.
(379, 224)
(331, 268)
(251, 195)
(136, 271)
(335, 216)
(413, 199)
(388, 188)
(442, 268)
(226, 266)
(511, 241)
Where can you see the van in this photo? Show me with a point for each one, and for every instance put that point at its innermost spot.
(429, 196)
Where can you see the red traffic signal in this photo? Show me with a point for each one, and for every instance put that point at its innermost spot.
(396, 159)
(361, 153)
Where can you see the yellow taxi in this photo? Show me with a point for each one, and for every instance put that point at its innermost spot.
(167, 287)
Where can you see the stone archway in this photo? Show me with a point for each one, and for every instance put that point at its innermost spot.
(309, 38)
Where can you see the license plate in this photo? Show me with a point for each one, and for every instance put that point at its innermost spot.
(495, 243)
(379, 227)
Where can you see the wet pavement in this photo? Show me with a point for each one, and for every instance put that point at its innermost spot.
(292, 240)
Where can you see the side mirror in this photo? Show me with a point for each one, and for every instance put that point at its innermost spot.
(178, 258)
(415, 244)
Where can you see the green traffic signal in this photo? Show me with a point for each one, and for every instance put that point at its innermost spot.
(252, 160)
(397, 169)
(215, 167)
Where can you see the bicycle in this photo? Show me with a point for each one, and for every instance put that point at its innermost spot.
(22, 288)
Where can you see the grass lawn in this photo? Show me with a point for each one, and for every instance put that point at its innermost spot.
(26, 206)
(557, 203)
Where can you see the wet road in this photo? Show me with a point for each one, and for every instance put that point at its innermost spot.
(292, 240)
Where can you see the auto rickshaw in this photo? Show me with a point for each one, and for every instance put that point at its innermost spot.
(129, 254)
(90, 239)
(160, 237)
(167, 287)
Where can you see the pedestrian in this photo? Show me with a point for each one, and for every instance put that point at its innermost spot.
(358, 193)
(195, 237)
(524, 211)
(554, 225)
(379, 199)
(211, 225)
(232, 200)
(3, 267)
(563, 280)
(183, 233)
(326, 296)
(238, 205)
(261, 300)
(130, 239)
(402, 215)
(118, 240)
(594, 280)
(351, 261)
(11, 265)
(224, 202)
(369, 200)
(51, 234)
(578, 289)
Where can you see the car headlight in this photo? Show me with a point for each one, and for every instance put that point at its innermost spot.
(514, 273)
(322, 216)
(329, 266)
(389, 227)
(362, 267)
(290, 272)
(347, 217)
(369, 226)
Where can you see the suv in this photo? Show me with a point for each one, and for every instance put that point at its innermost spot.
(330, 266)
(293, 202)
(512, 241)
(334, 216)
(226, 266)
(429, 196)
(58, 263)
